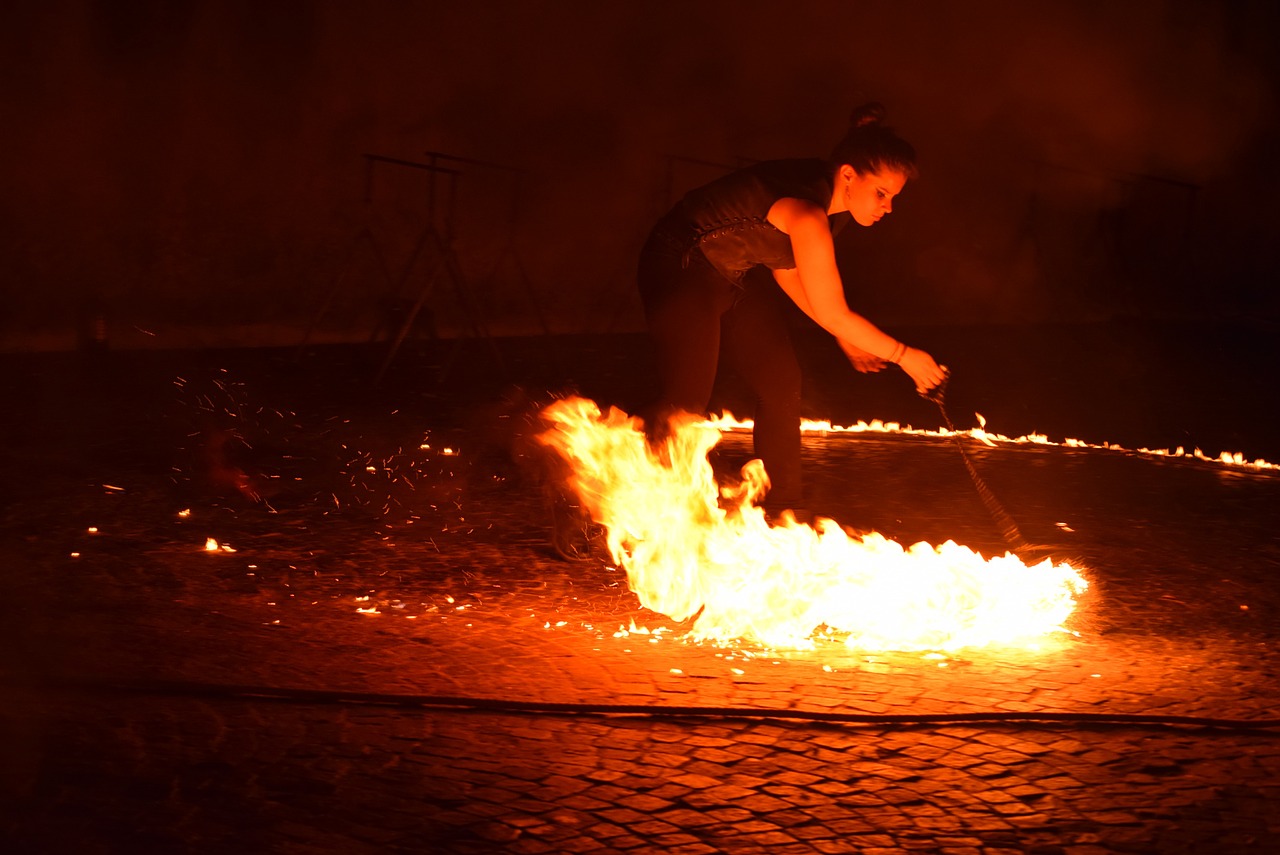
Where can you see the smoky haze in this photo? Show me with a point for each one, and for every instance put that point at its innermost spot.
(194, 172)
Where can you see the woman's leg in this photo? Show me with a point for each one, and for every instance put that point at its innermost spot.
(758, 344)
(683, 307)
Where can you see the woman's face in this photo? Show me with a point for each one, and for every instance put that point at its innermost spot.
(868, 196)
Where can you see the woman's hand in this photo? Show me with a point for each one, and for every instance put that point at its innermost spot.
(867, 363)
(921, 368)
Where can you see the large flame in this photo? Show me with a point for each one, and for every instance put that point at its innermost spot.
(692, 548)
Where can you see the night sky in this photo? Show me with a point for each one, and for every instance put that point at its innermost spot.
(193, 170)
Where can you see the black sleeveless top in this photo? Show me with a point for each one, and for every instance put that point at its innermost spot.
(726, 219)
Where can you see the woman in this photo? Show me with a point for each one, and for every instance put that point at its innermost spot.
(700, 285)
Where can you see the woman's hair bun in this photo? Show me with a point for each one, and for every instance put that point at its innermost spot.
(870, 145)
(867, 114)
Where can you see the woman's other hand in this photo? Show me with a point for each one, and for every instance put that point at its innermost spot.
(867, 363)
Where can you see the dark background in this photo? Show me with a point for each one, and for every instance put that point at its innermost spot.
(1091, 245)
(192, 171)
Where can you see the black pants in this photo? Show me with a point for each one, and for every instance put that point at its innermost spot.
(696, 317)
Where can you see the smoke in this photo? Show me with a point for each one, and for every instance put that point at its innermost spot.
(207, 156)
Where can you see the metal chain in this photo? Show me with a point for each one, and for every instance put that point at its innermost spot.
(1008, 528)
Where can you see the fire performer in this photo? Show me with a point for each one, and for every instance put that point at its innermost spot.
(702, 289)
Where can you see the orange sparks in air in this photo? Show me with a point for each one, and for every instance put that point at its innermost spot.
(691, 548)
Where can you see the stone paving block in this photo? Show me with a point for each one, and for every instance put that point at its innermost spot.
(774, 839)
(750, 751)
(837, 847)
(716, 755)
(719, 795)
(863, 799)
(957, 841)
(606, 830)
(624, 817)
(617, 760)
(728, 815)
(795, 762)
(939, 824)
(584, 803)
(686, 818)
(859, 825)
(580, 844)
(802, 798)
(653, 827)
(705, 768)
(666, 760)
(749, 824)
(485, 809)
(1132, 790)
(959, 760)
(795, 778)
(609, 793)
(827, 756)
(926, 753)
(666, 792)
(694, 848)
(834, 789)
(628, 843)
(748, 781)
(810, 830)
(608, 774)
(759, 803)
(695, 782)
(764, 734)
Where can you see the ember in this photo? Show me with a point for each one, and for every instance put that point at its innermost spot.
(693, 549)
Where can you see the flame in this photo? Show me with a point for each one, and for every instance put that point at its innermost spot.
(692, 549)
(211, 544)
(824, 427)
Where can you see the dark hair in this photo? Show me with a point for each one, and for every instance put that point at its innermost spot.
(870, 145)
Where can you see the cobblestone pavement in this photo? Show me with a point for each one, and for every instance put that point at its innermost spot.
(303, 686)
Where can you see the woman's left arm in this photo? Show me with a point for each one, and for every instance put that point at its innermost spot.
(817, 289)
(815, 284)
